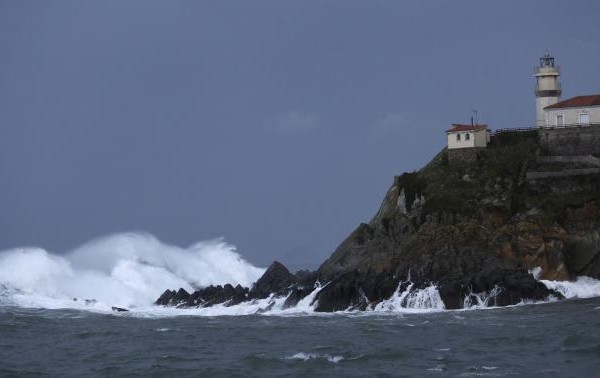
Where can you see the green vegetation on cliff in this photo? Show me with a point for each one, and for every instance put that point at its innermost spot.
(468, 188)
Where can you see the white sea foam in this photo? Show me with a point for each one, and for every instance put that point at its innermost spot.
(126, 270)
(314, 356)
(582, 287)
(308, 303)
(412, 300)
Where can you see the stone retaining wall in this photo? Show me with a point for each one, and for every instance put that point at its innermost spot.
(571, 141)
(457, 155)
(587, 159)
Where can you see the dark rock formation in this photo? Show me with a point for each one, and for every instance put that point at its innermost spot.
(460, 272)
(276, 279)
(166, 298)
(204, 297)
(173, 298)
(355, 291)
(219, 294)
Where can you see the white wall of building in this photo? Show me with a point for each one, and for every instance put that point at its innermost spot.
(468, 139)
(482, 138)
(572, 116)
(540, 104)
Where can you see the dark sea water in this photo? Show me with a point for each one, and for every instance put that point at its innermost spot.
(554, 339)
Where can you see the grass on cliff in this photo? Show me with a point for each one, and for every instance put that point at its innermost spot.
(466, 188)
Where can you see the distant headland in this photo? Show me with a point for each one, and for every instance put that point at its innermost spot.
(488, 218)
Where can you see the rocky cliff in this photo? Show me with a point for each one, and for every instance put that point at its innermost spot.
(473, 226)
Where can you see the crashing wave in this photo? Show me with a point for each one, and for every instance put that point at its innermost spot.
(581, 287)
(406, 298)
(125, 270)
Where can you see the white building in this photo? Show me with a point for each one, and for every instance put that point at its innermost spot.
(580, 110)
(467, 136)
(547, 87)
(550, 111)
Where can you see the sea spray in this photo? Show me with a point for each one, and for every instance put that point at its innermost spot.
(406, 298)
(581, 287)
(308, 303)
(126, 270)
(212, 262)
(481, 300)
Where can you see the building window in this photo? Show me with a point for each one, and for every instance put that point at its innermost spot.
(583, 118)
(560, 120)
(458, 137)
(467, 136)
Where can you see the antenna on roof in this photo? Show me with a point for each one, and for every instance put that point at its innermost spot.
(476, 118)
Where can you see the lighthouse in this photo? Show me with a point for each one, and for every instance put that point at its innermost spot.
(547, 87)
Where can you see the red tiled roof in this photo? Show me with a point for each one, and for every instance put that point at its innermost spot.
(577, 102)
(458, 127)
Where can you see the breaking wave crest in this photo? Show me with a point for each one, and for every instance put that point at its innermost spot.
(125, 270)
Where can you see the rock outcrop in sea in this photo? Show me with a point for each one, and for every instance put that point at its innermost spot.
(467, 227)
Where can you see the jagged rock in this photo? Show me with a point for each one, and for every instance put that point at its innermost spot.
(306, 275)
(174, 298)
(276, 279)
(181, 297)
(212, 295)
(204, 297)
(165, 298)
(356, 290)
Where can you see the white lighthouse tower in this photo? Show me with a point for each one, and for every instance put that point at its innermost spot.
(547, 87)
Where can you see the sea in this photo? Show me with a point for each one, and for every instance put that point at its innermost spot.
(57, 319)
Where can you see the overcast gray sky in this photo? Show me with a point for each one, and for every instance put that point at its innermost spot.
(278, 125)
